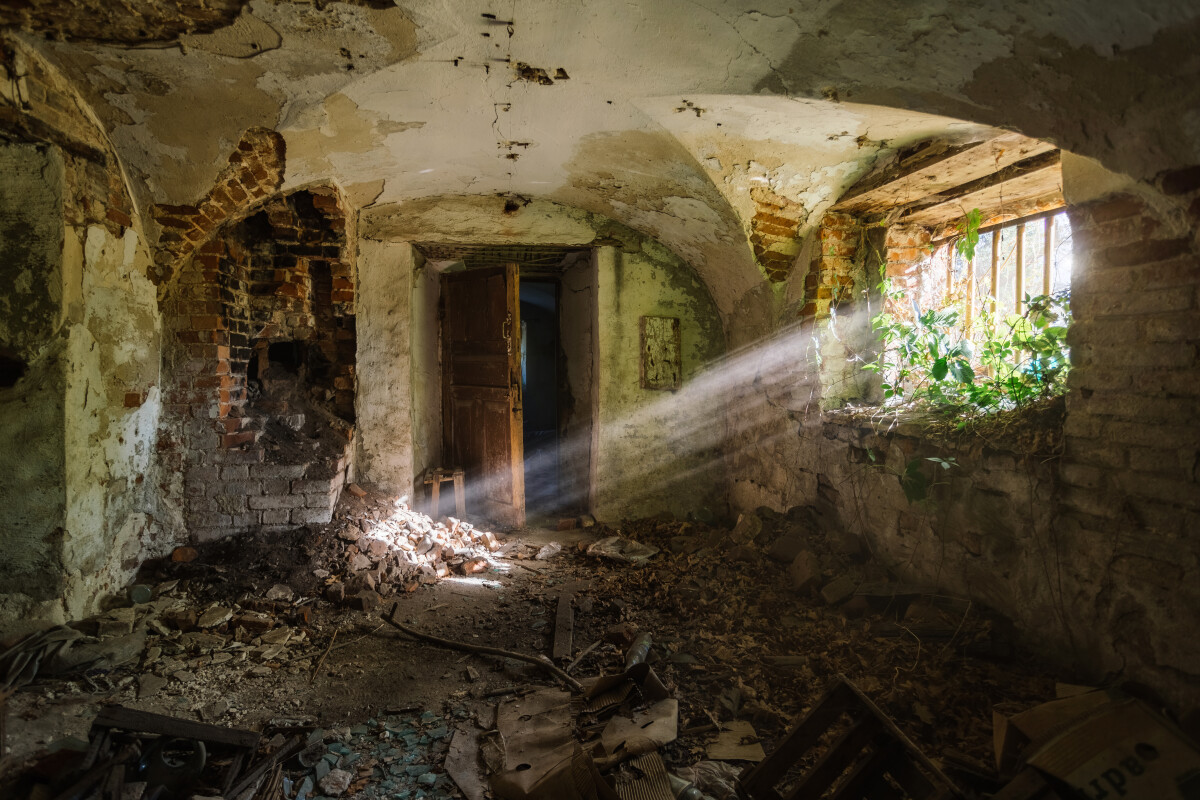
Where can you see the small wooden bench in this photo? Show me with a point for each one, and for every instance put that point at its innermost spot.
(434, 479)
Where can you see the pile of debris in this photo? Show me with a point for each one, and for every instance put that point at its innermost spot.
(751, 624)
(399, 552)
(142, 756)
(397, 757)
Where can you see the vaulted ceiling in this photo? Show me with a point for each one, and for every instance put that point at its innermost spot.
(682, 119)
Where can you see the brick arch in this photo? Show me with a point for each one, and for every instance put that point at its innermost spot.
(254, 172)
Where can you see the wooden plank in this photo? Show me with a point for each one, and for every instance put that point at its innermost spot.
(564, 625)
(837, 759)
(905, 183)
(919, 160)
(761, 780)
(1028, 166)
(129, 719)
(1007, 197)
(516, 417)
(867, 770)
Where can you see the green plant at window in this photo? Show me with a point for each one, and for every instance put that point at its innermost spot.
(1000, 363)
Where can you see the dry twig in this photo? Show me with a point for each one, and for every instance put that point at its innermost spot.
(540, 661)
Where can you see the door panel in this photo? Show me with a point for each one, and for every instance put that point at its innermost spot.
(481, 390)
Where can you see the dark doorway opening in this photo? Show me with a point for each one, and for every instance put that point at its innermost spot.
(540, 393)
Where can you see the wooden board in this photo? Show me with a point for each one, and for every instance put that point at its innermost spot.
(905, 184)
(481, 389)
(129, 719)
(564, 625)
(1036, 188)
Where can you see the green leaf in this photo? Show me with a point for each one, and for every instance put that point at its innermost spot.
(962, 371)
(939, 369)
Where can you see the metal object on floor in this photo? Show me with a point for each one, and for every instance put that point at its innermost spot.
(434, 479)
(868, 757)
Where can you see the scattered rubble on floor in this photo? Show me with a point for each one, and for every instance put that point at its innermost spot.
(686, 653)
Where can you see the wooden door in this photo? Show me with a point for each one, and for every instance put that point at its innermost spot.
(481, 389)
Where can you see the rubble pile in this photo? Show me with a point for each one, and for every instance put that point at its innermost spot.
(375, 558)
(752, 624)
(679, 649)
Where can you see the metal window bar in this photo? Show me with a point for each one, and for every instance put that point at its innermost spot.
(1020, 276)
(1023, 265)
(1048, 258)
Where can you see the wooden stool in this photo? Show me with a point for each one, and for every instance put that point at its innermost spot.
(434, 480)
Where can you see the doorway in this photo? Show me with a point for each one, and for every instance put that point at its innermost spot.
(540, 389)
(517, 356)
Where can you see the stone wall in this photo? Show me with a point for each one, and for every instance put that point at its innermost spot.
(1130, 501)
(1090, 548)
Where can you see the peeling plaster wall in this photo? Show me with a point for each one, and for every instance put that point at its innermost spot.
(578, 317)
(114, 344)
(384, 403)
(80, 432)
(426, 370)
(79, 464)
(646, 461)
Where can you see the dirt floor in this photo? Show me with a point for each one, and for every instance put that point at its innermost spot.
(737, 633)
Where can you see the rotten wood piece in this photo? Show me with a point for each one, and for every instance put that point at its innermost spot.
(587, 650)
(934, 168)
(564, 625)
(1027, 178)
(292, 746)
(129, 719)
(867, 754)
(540, 661)
(1036, 190)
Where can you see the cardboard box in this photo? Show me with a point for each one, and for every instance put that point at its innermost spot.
(1123, 750)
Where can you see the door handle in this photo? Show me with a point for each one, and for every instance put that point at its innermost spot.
(506, 332)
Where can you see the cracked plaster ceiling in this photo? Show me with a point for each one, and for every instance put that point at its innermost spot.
(661, 115)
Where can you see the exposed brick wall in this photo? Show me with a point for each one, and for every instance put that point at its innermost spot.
(254, 171)
(911, 269)
(280, 275)
(773, 231)
(302, 288)
(834, 279)
(1131, 493)
(37, 104)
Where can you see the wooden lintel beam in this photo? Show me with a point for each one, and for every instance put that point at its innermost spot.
(908, 182)
(1025, 192)
(1020, 169)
